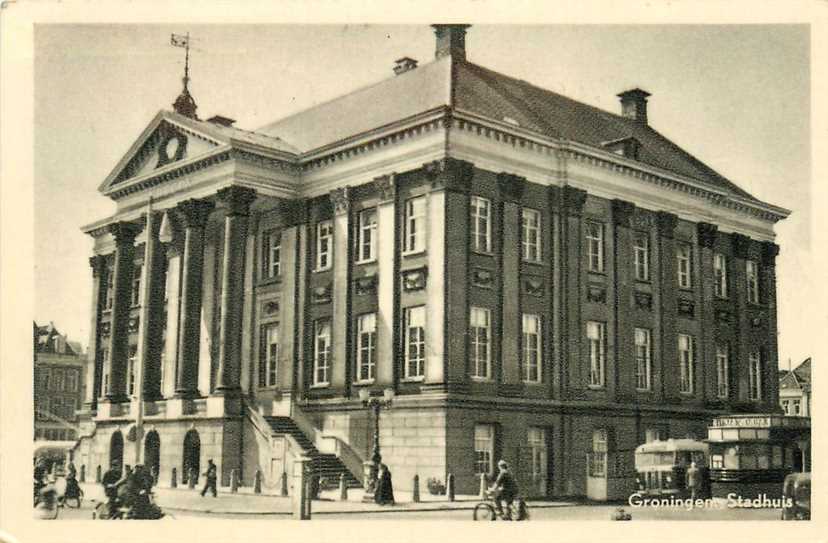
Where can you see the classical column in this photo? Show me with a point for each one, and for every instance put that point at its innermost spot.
(152, 326)
(386, 263)
(557, 361)
(767, 294)
(665, 322)
(293, 280)
(620, 371)
(195, 214)
(511, 189)
(573, 200)
(124, 234)
(340, 199)
(173, 285)
(93, 366)
(237, 201)
(705, 348)
(737, 291)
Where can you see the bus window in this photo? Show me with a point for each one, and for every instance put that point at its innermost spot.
(777, 456)
(731, 459)
(717, 461)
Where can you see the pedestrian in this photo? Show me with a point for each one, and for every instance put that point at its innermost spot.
(693, 480)
(211, 479)
(384, 493)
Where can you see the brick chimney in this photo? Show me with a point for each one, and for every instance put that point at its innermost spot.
(405, 64)
(451, 41)
(634, 104)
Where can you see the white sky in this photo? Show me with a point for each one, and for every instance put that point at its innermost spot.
(737, 97)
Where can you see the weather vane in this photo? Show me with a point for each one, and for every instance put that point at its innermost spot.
(184, 104)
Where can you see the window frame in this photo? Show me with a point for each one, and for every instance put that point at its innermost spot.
(476, 342)
(416, 222)
(597, 354)
(722, 372)
(484, 448)
(271, 254)
(476, 218)
(688, 362)
(752, 281)
(366, 235)
(688, 259)
(531, 235)
(369, 350)
(109, 294)
(642, 267)
(268, 361)
(418, 344)
(755, 375)
(321, 357)
(647, 361)
(720, 278)
(595, 246)
(528, 346)
(132, 363)
(328, 227)
(135, 293)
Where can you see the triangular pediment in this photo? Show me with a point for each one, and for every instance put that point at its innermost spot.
(168, 139)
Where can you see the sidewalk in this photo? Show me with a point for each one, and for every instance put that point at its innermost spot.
(247, 503)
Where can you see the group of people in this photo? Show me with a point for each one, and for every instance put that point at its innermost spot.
(130, 489)
(44, 483)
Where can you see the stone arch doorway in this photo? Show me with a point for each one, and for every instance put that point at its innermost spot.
(116, 450)
(152, 453)
(192, 456)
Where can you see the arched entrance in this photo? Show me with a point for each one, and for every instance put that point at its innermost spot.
(192, 456)
(152, 453)
(116, 450)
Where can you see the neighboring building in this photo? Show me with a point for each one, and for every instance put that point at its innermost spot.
(59, 384)
(537, 279)
(795, 390)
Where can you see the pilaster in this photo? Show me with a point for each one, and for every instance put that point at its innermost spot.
(386, 273)
(340, 322)
(510, 188)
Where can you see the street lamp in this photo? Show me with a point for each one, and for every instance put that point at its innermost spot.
(372, 466)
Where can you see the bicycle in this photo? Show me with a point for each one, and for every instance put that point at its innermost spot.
(487, 510)
(77, 499)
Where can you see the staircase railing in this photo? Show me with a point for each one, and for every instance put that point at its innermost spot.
(328, 443)
(293, 449)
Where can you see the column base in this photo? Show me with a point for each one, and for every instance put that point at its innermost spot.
(111, 408)
(221, 405)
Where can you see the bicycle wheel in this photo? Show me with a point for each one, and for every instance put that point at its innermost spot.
(484, 511)
(520, 511)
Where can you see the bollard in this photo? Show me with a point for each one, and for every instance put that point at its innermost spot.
(415, 492)
(83, 473)
(450, 487)
(301, 488)
(174, 478)
(484, 486)
(234, 481)
(98, 474)
(283, 487)
(191, 478)
(257, 482)
(343, 488)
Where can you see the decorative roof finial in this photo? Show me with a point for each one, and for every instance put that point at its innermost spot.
(184, 104)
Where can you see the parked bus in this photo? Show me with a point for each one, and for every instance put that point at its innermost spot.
(661, 466)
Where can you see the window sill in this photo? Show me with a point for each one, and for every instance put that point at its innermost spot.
(596, 387)
(320, 270)
(644, 390)
(270, 280)
(320, 385)
(368, 261)
(532, 383)
(689, 290)
(364, 382)
(534, 262)
(597, 272)
(643, 281)
(481, 379)
(482, 253)
(418, 379)
(415, 252)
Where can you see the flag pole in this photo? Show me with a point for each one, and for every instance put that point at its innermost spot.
(143, 335)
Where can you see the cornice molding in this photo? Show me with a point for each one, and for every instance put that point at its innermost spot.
(741, 245)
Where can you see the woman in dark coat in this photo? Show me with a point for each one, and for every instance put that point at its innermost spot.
(384, 494)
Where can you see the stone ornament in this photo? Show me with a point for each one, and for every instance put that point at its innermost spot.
(643, 300)
(707, 234)
(596, 293)
(415, 279)
(365, 285)
(172, 145)
(322, 295)
(341, 201)
(533, 286)
(482, 278)
(270, 307)
(686, 308)
(386, 187)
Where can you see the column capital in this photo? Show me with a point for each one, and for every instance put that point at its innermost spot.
(707, 234)
(574, 200)
(622, 212)
(770, 251)
(98, 264)
(295, 212)
(510, 186)
(341, 200)
(124, 232)
(386, 187)
(449, 174)
(195, 212)
(666, 223)
(237, 199)
(741, 244)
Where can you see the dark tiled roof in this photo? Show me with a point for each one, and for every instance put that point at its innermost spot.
(803, 371)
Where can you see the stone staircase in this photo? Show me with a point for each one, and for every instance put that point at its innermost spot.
(327, 466)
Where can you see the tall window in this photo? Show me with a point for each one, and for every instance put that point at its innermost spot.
(755, 375)
(58, 384)
(595, 246)
(110, 288)
(720, 275)
(367, 248)
(271, 254)
(641, 253)
(643, 350)
(598, 458)
(269, 355)
(722, 371)
(415, 342)
(57, 407)
(481, 218)
(596, 334)
(324, 236)
(71, 380)
(45, 375)
(136, 285)
(415, 210)
(366, 346)
(321, 352)
(685, 270)
(483, 448)
(685, 348)
(106, 369)
(480, 334)
(532, 345)
(531, 235)
(752, 272)
(131, 363)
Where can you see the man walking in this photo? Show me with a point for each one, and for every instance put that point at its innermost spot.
(211, 479)
(693, 480)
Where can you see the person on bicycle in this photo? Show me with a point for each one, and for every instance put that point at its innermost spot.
(505, 489)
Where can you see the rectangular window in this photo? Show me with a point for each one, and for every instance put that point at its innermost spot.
(684, 263)
(643, 350)
(483, 448)
(321, 352)
(269, 355)
(786, 406)
(641, 254)
(481, 218)
(415, 342)
(716, 461)
(796, 408)
(131, 363)
(531, 235)
(57, 407)
(685, 348)
(720, 275)
(366, 346)
(415, 221)
(106, 369)
(271, 254)
(480, 335)
(110, 288)
(596, 333)
(755, 375)
(367, 238)
(752, 272)
(595, 246)
(532, 345)
(722, 371)
(324, 237)
(71, 380)
(136, 285)
(598, 458)
(58, 383)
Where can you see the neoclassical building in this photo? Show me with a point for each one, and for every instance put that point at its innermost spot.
(536, 279)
